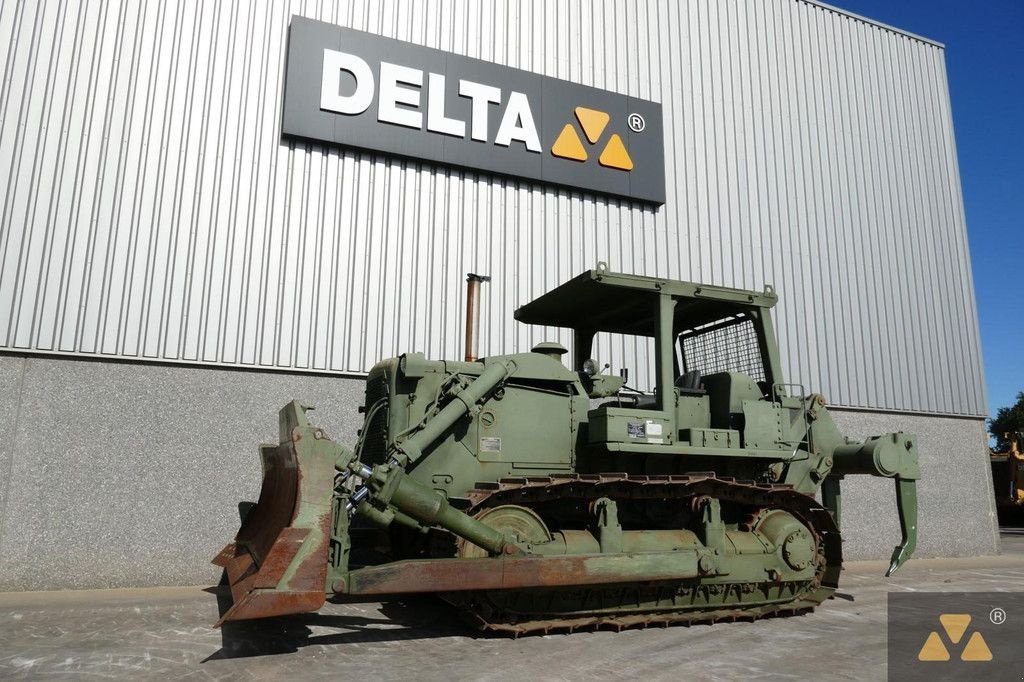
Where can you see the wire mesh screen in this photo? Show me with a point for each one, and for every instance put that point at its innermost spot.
(724, 346)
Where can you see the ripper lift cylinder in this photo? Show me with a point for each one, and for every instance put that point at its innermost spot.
(877, 457)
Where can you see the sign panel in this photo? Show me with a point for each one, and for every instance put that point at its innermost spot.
(360, 90)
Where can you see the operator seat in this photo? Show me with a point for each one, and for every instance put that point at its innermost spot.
(689, 383)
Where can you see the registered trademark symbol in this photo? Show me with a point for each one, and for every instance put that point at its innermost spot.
(636, 123)
(997, 616)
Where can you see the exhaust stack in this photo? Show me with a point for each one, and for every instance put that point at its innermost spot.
(473, 314)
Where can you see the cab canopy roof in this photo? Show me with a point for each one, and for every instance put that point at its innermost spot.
(599, 300)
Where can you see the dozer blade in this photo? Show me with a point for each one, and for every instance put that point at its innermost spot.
(277, 564)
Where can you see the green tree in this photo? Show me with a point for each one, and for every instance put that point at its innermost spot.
(1007, 420)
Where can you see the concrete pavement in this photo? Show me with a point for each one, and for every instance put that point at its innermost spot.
(166, 633)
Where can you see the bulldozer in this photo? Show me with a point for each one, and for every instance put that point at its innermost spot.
(536, 495)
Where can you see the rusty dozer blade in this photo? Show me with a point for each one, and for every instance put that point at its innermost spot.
(277, 564)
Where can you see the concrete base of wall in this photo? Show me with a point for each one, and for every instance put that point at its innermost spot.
(128, 475)
(956, 505)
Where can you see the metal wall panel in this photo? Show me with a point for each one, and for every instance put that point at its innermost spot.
(151, 210)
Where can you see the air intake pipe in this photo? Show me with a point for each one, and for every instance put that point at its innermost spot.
(473, 314)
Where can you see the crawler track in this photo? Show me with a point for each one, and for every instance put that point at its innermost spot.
(660, 604)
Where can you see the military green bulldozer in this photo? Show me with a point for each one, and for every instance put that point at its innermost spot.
(535, 497)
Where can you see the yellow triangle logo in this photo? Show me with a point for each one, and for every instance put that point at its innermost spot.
(615, 155)
(568, 145)
(955, 625)
(933, 649)
(593, 122)
(976, 649)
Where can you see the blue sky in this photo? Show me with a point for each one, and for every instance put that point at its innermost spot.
(985, 60)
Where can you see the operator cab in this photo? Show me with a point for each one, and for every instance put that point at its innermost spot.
(713, 350)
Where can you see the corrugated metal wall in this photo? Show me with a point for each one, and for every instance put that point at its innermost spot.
(151, 209)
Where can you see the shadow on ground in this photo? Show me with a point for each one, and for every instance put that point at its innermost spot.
(414, 618)
(408, 619)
